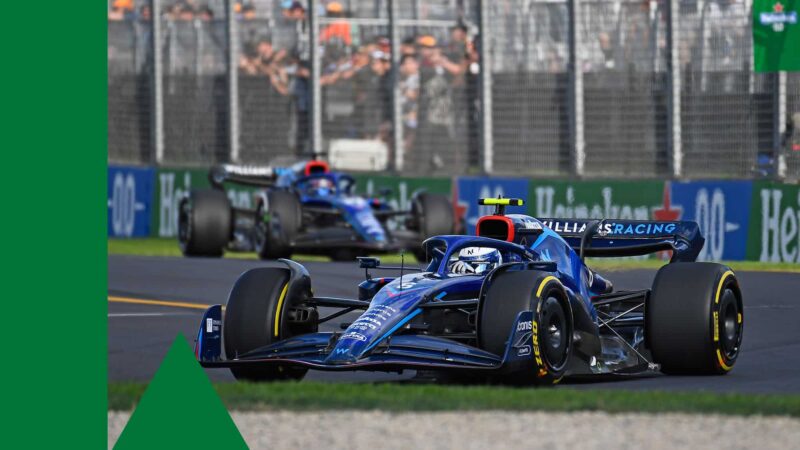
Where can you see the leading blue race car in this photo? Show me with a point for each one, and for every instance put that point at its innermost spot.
(516, 304)
(304, 208)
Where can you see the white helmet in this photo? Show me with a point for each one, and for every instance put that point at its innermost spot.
(476, 260)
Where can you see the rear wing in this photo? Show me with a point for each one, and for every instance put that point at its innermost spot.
(259, 176)
(615, 238)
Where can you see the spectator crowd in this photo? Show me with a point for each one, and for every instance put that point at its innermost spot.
(436, 74)
(357, 78)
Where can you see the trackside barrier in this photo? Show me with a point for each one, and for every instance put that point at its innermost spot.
(740, 219)
(774, 233)
(130, 201)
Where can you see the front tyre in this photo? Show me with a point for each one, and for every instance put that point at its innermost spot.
(258, 314)
(694, 319)
(552, 326)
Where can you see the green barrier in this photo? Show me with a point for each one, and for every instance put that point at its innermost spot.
(174, 184)
(640, 200)
(402, 188)
(774, 234)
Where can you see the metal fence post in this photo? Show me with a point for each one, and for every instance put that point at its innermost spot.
(487, 144)
(397, 113)
(575, 96)
(779, 132)
(232, 61)
(674, 137)
(199, 42)
(158, 87)
(316, 91)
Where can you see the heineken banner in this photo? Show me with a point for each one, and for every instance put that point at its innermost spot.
(720, 208)
(776, 35)
(716, 206)
(130, 194)
(739, 219)
(470, 189)
(174, 184)
(398, 190)
(774, 223)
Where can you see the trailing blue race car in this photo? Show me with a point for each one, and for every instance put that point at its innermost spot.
(515, 304)
(304, 208)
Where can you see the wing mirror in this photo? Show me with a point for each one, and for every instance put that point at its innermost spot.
(368, 262)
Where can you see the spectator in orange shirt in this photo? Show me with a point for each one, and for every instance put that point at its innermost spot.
(339, 29)
(121, 10)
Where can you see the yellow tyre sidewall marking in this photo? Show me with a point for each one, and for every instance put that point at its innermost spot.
(535, 328)
(720, 358)
(279, 309)
(546, 280)
(725, 275)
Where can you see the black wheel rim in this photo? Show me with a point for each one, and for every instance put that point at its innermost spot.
(554, 332)
(730, 327)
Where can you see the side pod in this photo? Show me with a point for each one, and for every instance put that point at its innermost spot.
(208, 346)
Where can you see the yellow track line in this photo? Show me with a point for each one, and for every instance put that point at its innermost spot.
(141, 301)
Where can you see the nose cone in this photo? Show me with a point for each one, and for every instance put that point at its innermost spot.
(390, 309)
(362, 335)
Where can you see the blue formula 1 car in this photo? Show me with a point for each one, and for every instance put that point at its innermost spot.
(304, 208)
(514, 304)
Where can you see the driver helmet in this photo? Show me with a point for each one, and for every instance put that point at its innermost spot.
(321, 186)
(476, 260)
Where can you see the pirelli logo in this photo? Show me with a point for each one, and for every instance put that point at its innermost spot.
(536, 351)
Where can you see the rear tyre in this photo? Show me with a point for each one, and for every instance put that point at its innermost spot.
(431, 215)
(204, 223)
(551, 329)
(256, 316)
(277, 225)
(694, 319)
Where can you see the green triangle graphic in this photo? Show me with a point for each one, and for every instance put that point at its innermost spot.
(180, 409)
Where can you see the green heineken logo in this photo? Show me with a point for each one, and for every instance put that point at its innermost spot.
(778, 18)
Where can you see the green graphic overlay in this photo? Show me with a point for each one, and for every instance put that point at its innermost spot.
(180, 409)
(774, 234)
(776, 35)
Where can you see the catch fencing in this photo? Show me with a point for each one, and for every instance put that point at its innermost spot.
(588, 88)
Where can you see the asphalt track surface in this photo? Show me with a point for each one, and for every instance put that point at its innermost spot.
(139, 335)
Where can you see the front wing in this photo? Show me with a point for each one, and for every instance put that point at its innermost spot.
(396, 353)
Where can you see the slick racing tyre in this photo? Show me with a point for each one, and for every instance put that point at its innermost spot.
(204, 223)
(431, 215)
(277, 224)
(259, 313)
(510, 293)
(694, 319)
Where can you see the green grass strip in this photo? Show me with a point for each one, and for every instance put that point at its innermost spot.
(169, 247)
(314, 396)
